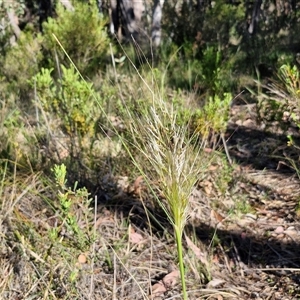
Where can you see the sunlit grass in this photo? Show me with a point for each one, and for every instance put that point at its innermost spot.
(170, 155)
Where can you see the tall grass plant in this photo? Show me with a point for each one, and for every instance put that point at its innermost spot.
(169, 155)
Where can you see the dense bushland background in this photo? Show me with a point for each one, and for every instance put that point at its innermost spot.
(224, 47)
(75, 100)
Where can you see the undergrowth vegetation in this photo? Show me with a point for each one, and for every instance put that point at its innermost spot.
(107, 164)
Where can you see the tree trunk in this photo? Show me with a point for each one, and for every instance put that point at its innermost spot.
(156, 22)
(128, 14)
(129, 19)
(114, 17)
(255, 17)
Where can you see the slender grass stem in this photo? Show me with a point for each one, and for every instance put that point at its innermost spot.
(178, 236)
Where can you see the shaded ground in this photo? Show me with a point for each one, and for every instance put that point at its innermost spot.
(262, 244)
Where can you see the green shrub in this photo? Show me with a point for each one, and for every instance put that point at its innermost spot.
(68, 105)
(81, 33)
(22, 60)
(216, 75)
(281, 101)
(212, 119)
(290, 77)
(71, 99)
(9, 121)
(18, 142)
(70, 201)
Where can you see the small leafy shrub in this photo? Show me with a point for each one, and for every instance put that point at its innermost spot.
(241, 206)
(280, 100)
(70, 98)
(9, 121)
(7, 33)
(208, 61)
(215, 77)
(73, 208)
(284, 95)
(22, 61)
(224, 178)
(181, 66)
(211, 120)
(290, 77)
(17, 140)
(82, 35)
(70, 107)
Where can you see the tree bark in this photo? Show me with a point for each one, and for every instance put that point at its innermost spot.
(156, 22)
(255, 17)
(13, 20)
(128, 17)
(114, 17)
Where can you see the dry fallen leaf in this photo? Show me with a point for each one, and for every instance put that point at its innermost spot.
(171, 279)
(138, 185)
(216, 259)
(199, 254)
(208, 150)
(82, 258)
(134, 237)
(158, 289)
(215, 282)
(104, 221)
(213, 167)
(215, 215)
(136, 188)
(291, 232)
(279, 230)
(208, 187)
